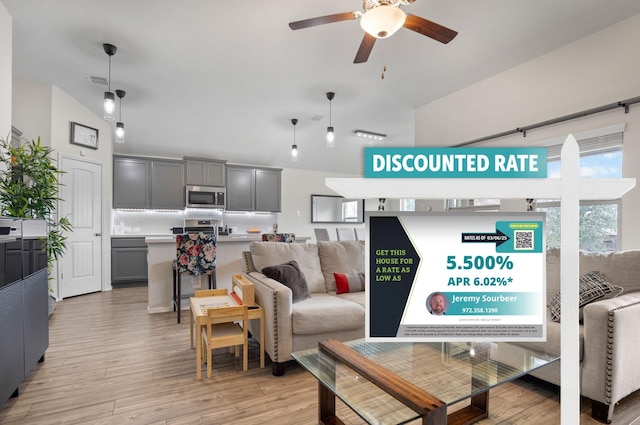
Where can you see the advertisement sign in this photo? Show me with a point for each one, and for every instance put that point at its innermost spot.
(455, 277)
(480, 163)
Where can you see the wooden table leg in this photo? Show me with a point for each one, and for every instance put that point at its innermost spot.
(198, 356)
(262, 338)
(327, 406)
(191, 325)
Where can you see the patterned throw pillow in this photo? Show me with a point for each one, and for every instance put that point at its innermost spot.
(593, 286)
(349, 282)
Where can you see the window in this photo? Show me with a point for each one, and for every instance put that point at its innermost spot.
(601, 157)
(350, 210)
(408, 204)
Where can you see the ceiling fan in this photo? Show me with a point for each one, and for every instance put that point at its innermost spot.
(380, 19)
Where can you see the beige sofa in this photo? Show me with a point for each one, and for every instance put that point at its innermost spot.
(297, 326)
(609, 336)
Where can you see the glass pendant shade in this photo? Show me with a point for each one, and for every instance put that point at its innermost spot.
(294, 153)
(330, 137)
(109, 106)
(383, 21)
(119, 132)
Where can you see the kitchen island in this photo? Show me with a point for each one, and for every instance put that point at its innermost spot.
(161, 252)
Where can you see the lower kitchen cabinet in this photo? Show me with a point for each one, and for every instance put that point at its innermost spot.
(128, 261)
(24, 330)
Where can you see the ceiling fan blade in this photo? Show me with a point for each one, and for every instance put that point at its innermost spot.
(365, 48)
(429, 28)
(321, 20)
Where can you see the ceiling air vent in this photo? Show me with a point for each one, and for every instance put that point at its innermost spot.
(99, 81)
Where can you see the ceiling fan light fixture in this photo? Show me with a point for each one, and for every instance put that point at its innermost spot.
(383, 21)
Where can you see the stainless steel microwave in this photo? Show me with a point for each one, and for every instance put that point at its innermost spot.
(206, 197)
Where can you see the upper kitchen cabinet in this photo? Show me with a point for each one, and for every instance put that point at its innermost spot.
(253, 189)
(167, 184)
(268, 189)
(131, 182)
(148, 183)
(209, 172)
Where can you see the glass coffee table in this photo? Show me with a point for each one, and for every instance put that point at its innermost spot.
(398, 382)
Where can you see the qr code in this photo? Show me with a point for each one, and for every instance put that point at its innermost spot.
(523, 239)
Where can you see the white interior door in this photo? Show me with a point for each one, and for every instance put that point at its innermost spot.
(81, 266)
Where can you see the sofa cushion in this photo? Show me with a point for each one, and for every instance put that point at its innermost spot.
(355, 297)
(552, 344)
(593, 286)
(352, 282)
(326, 313)
(266, 254)
(289, 274)
(340, 257)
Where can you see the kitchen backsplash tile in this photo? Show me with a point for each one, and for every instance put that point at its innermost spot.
(161, 222)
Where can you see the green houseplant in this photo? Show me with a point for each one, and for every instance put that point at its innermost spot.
(29, 188)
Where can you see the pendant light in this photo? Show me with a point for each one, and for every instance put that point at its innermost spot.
(120, 124)
(330, 135)
(294, 147)
(109, 98)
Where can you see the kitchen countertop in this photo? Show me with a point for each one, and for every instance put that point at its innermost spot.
(163, 238)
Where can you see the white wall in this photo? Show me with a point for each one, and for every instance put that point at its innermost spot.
(6, 37)
(297, 188)
(597, 70)
(45, 111)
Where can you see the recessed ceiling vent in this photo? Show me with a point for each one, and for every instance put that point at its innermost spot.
(99, 81)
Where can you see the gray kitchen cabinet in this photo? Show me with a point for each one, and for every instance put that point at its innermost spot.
(167, 184)
(131, 182)
(207, 172)
(241, 188)
(24, 330)
(253, 189)
(128, 261)
(268, 189)
(148, 183)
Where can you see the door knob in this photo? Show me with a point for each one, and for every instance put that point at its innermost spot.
(98, 234)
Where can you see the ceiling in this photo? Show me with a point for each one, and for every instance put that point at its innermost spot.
(223, 79)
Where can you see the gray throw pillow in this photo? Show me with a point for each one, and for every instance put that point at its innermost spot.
(290, 275)
(593, 286)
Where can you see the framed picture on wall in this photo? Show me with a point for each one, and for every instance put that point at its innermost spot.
(84, 136)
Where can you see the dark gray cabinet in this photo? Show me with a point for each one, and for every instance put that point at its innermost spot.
(268, 192)
(253, 189)
(167, 184)
(148, 183)
(241, 188)
(131, 182)
(205, 172)
(128, 261)
(24, 330)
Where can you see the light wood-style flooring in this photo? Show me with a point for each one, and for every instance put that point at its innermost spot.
(109, 362)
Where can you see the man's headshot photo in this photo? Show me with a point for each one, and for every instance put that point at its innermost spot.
(437, 303)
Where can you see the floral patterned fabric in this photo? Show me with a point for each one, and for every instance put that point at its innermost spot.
(196, 253)
(278, 237)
